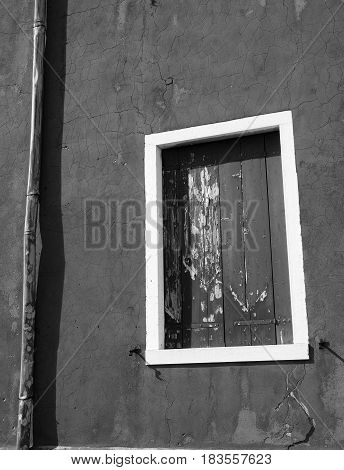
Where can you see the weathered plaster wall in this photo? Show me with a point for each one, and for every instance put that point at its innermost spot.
(15, 108)
(135, 67)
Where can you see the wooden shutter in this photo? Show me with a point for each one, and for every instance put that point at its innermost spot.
(225, 253)
(255, 267)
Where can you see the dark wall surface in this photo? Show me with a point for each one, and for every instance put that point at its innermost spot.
(15, 110)
(132, 68)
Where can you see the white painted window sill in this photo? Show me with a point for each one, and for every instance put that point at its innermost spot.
(267, 353)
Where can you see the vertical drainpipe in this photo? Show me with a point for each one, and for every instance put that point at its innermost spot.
(26, 388)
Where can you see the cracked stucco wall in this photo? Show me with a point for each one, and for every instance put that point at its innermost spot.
(15, 108)
(131, 68)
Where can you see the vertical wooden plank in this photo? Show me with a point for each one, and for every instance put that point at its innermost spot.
(259, 284)
(212, 255)
(186, 276)
(172, 260)
(233, 261)
(202, 278)
(284, 334)
(194, 293)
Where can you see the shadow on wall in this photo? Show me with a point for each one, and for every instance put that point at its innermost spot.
(52, 261)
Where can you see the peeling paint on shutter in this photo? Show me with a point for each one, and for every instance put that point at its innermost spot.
(194, 293)
(212, 255)
(201, 257)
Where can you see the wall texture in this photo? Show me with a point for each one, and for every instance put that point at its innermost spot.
(131, 68)
(15, 109)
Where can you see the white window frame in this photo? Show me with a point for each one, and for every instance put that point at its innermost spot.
(154, 143)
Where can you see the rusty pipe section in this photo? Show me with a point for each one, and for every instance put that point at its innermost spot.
(26, 388)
